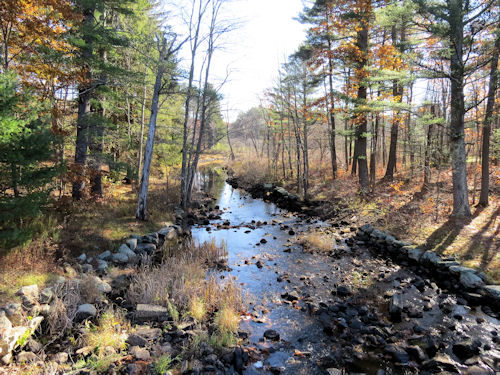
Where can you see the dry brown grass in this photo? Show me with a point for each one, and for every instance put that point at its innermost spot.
(181, 281)
(317, 241)
(68, 296)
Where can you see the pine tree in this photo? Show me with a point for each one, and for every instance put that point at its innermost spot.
(26, 150)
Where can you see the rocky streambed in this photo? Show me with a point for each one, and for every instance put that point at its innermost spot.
(350, 309)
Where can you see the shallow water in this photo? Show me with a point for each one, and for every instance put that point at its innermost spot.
(311, 275)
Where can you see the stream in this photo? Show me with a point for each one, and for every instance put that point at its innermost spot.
(289, 291)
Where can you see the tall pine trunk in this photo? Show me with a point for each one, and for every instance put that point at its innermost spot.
(488, 119)
(461, 206)
(361, 125)
(82, 123)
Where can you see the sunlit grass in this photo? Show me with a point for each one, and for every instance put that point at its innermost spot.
(108, 333)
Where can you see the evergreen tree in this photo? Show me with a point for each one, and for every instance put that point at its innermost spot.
(26, 151)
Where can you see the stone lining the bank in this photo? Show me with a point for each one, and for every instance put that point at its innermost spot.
(472, 284)
(19, 321)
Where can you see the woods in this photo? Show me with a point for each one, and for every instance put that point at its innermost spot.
(98, 70)
(412, 82)
(343, 220)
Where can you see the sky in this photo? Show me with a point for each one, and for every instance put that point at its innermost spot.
(252, 54)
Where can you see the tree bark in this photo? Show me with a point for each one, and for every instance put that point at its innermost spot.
(361, 126)
(488, 119)
(141, 213)
(461, 206)
(84, 96)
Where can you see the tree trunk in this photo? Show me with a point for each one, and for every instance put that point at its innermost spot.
(427, 155)
(333, 152)
(141, 213)
(84, 96)
(361, 126)
(457, 137)
(488, 119)
(143, 120)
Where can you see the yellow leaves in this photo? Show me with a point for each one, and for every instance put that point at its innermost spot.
(397, 187)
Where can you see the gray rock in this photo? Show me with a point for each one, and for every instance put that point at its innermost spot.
(102, 286)
(26, 357)
(148, 248)
(470, 280)
(168, 233)
(457, 270)
(7, 359)
(102, 265)
(85, 311)
(120, 258)
(46, 295)
(367, 228)
(61, 358)
(398, 354)
(11, 339)
(29, 295)
(140, 353)
(124, 249)
(105, 255)
(148, 333)
(131, 243)
(147, 312)
(82, 258)
(5, 323)
(441, 362)
(493, 292)
(136, 340)
(15, 313)
(466, 349)
(87, 268)
(431, 258)
(34, 346)
(415, 254)
(416, 353)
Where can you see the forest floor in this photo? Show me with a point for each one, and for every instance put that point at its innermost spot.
(90, 226)
(402, 209)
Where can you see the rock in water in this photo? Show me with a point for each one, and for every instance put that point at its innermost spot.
(466, 349)
(343, 291)
(396, 308)
(272, 335)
